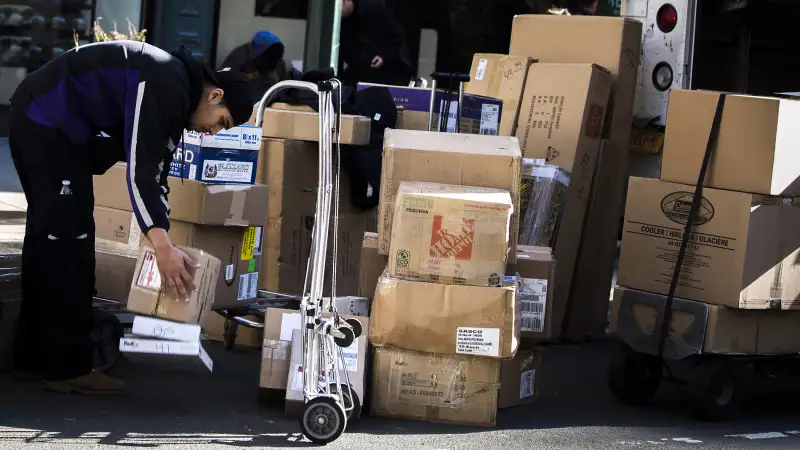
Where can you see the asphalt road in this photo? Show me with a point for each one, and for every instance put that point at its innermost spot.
(187, 410)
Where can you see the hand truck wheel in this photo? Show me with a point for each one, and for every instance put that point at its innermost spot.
(323, 420)
(633, 377)
(106, 333)
(355, 412)
(357, 327)
(348, 339)
(715, 392)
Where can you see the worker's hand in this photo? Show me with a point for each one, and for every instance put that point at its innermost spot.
(177, 272)
(377, 62)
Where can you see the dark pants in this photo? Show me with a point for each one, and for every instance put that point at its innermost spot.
(58, 263)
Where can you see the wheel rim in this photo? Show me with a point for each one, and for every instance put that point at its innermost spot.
(322, 421)
(722, 391)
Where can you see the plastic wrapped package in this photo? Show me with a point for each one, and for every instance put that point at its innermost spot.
(10, 302)
(541, 202)
(448, 319)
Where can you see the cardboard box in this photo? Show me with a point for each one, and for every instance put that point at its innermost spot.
(151, 328)
(466, 320)
(228, 157)
(563, 109)
(355, 363)
(518, 379)
(278, 327)
(214, 329)
(435, 388)
(238, 248)
(117, 242)
(535, 270)
(450, 234)
(191, 201)
(304, 126)
(615, 44)
(543, 191)
(479, 115)
(113, 275)
(372, 266)
(166, 354)
(502, 77)
(742, 253)
(470, 160)
(147, 299)
(756, 149)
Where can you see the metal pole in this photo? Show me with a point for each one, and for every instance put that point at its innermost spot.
(322, 34)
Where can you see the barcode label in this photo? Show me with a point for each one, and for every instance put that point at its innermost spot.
(490, 119)
(532, 307)
(244, 284)
(229, 272)
(533, 304)
(533, 324)
(488, 131)
(526, 383)
(248, 286)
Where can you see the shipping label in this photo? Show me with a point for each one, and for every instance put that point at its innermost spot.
(533, 302)
(227, 171)
(248, 286)
(478, 341)
(149, 277)
(490, 119)
(229, 272)
(526, 383)
(481, 71)
(251, 235)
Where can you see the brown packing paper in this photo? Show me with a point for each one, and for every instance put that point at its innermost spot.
(436, 388)
(503, 77)
(450, 234)
(437, 318)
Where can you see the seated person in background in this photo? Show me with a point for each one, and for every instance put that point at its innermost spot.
(262, 60)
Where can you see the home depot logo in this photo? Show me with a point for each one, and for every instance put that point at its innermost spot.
(455, 243)
(676, 207)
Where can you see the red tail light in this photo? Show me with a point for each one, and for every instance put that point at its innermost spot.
(667, 18)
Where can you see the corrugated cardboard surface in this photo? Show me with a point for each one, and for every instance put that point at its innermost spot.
(459, 159)
(519, 379)
(304, 126)
(372, 265)
(536, 268)
(450, 234)
(435, 388)
(274, 364)
(113, 275)
(563, 109)
(146, 297)
(503, 77)
(438, 318)
(756, 149)
(117, 243)
(214, 329)
(742, 253)
(191, 201)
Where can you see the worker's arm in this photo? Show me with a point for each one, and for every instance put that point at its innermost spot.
(394, 38)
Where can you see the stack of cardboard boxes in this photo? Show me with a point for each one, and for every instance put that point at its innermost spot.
(740, 270)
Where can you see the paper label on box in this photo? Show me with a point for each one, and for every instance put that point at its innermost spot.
(481, 72)
(490, 118)
(248, 286)
(251, 266)
(526, 382)
(289, 323)
(149, 276)
(193, 172)
(451, 116)
(478, 341)
(227, 171)
(259, 241)
(350, 356)
(229, 272)
(249, 243)
(533, 302)
(297, 378)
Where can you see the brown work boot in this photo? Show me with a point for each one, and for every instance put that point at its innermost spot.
(93, 383)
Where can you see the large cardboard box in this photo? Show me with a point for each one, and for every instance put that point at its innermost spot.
(518, 379)
(479, 115)
(191, 201)
(304, 126)
(536, 270)
(756, 149)
(435, 388)
(563, 109)
(146, 297)
(450, 234)
(450, 158)
(503, 77)
(373, 265)
(742, 253)
(117, 242)
(466, 320)
(228, 157)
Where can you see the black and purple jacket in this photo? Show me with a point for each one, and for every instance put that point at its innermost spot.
(134, 92)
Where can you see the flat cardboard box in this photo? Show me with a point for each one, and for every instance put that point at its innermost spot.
(535, 270)
(151, 328)
(304, 126)
(518, 379)
(563, 109)
(756, 149)
(228, 157)
(166, 354)
(147, 299)
(742, 252)
(372, 266)
(239, 249)
(502, 77)
(449, 158)
(191, 201)
(355, 364)
(435, 388)
(615, 44)
(278, 327)
(438, 318)
(450, 234)
(479, 114)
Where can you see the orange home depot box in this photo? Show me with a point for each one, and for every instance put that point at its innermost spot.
(450, 234)
(742, 253)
